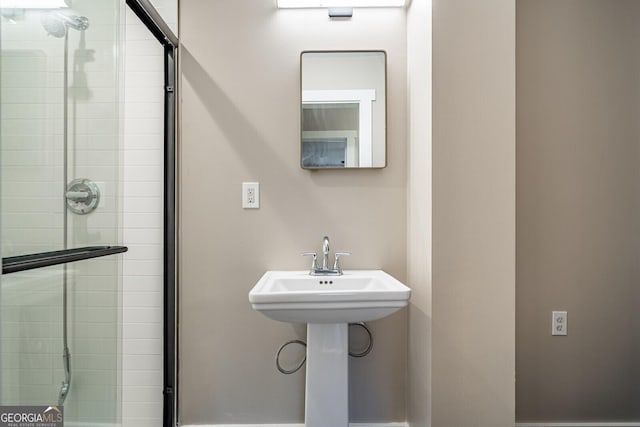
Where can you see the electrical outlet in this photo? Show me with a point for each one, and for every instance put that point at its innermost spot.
(250, 195)
(559, 323)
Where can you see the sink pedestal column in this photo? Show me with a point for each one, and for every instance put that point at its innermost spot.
(327, 386)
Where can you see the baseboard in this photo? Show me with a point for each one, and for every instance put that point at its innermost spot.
(577, 424)
(547, 424)
(302, 425)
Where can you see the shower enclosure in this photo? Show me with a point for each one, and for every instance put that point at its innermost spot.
(86, 210)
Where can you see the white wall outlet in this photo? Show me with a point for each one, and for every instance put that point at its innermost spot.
(559, 323)
(250, 195)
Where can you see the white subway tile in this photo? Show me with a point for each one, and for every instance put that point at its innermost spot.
(146, 79)
(142, 331)
(143, 377)
(143, 236)
(143, 109)
(144, 126)
(141, 315)
(144, 189)
(136, 94)
(141, 141)
(142, 346)
(153, 157)
(143, 204)
(145, 253)
(143, 220)
(142, 362)
(142, 422)
(141, 268)
(142, 410)
(142, 283)
(141, 47)
(143, 299)
(150, 63)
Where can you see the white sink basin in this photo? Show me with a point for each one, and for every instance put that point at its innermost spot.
(356, 296)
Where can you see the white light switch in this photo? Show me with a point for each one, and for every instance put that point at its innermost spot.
(250, 195)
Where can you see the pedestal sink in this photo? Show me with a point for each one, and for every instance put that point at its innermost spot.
(327, 304)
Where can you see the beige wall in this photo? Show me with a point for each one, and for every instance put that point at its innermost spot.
(419, 211)
(240, 62)
(578, 209)
(473, 213)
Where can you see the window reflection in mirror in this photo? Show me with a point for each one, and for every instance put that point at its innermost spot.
(343, 118)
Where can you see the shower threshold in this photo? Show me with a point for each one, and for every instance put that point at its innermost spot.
(15, 264)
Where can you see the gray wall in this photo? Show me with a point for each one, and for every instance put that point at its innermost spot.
(240, 111)
(578, 210)
(473, 213)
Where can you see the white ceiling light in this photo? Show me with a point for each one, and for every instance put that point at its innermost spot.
(339, 3)
(32, 4)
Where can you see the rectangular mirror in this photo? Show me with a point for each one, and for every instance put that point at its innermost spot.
(344, 108)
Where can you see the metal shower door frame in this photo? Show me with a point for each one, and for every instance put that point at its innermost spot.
(163, 33)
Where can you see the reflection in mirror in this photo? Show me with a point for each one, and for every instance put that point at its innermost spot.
(343, 117)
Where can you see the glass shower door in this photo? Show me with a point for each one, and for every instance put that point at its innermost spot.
(60, 125)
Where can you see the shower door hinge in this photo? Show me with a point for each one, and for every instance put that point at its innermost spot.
(169, 408)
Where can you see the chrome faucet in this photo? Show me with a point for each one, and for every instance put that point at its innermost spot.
(325, 270)
(325, 253)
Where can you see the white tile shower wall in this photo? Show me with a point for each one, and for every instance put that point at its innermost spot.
(142, 227)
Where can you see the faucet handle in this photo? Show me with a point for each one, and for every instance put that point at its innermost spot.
(336, 263)
(314, 260)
